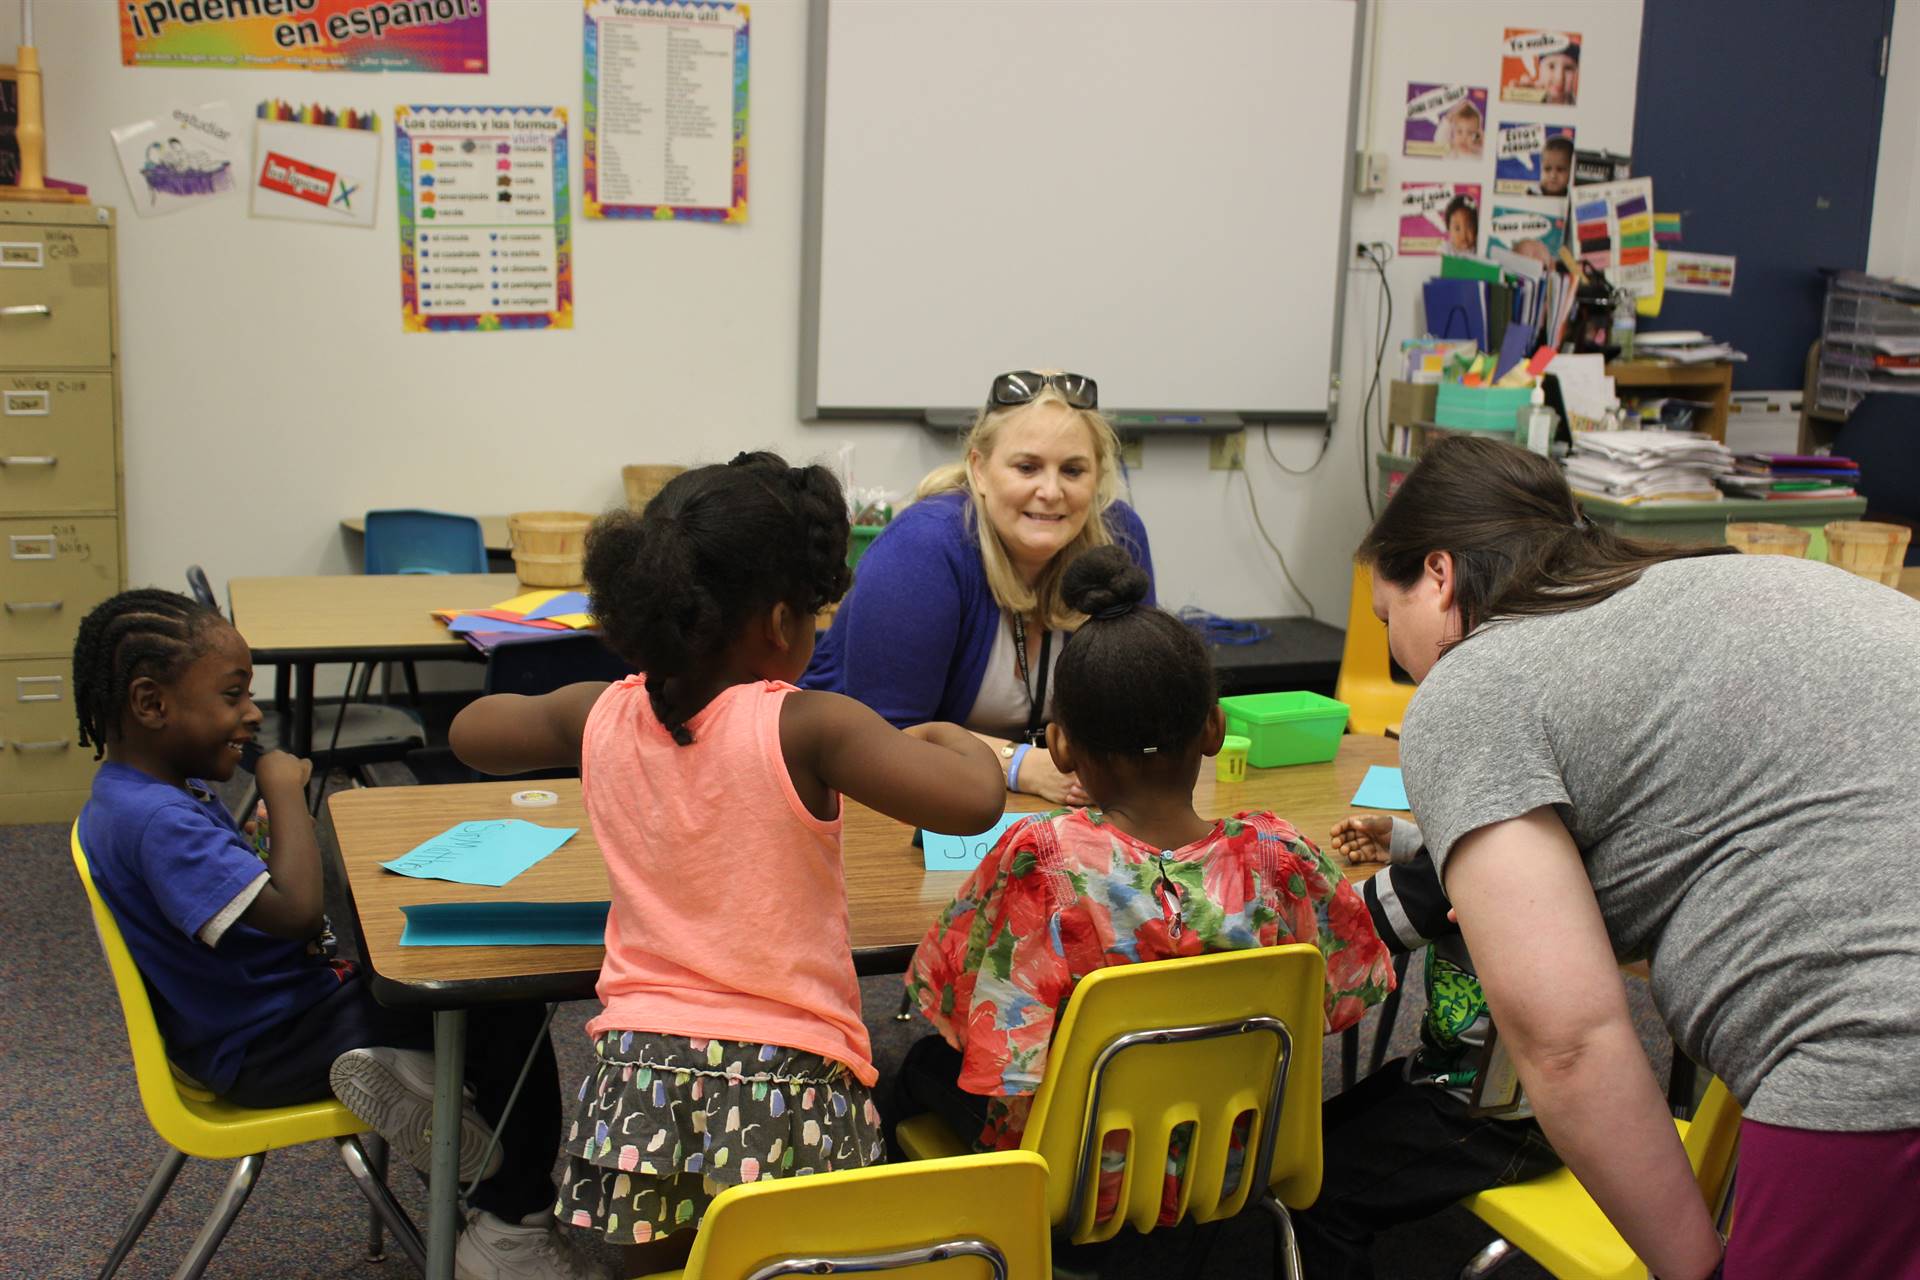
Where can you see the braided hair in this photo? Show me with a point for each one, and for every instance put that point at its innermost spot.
(136, 633)
(673, 585)
(1131, 681)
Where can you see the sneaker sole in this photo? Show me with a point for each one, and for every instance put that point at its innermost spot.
(380, 1098)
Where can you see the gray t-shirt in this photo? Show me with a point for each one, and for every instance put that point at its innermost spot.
(1734, 743)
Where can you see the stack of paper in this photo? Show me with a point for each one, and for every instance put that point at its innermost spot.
(1684, 346)
(532, 613)
(1647, 466)
(1780, 476)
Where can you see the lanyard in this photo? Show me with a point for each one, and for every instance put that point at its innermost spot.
(1036, 696)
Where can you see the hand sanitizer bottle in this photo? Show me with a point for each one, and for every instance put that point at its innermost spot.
(1537, 422)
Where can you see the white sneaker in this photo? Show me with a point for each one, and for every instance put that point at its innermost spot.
(494, 1249)
(392, 1090)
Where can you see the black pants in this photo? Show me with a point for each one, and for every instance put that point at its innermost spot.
(1397, 1152)
(289, 1064)
(929, 1080)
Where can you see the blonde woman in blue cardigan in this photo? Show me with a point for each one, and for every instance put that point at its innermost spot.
(956, 612)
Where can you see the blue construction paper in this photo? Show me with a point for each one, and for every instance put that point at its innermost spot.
(565, 602)
(491, 852)
(504, 924)
(1515, 346)
(1455, 310)
(473, 622)
(963, 853)
(1382, 788)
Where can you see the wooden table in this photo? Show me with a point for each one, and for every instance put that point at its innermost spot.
(493, 531)
(891, 899)
(309, 619)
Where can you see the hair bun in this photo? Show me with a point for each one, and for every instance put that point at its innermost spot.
(1104, 582)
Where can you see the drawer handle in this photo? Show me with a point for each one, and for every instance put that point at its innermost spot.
(51, 744)
(29, 309)
(24, 460)
(29, 606)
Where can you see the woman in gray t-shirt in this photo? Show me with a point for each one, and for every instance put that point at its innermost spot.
(1625, 750)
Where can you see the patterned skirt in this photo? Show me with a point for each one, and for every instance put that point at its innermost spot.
(664, 1123)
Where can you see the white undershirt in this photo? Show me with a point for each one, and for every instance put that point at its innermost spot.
(1002, 705)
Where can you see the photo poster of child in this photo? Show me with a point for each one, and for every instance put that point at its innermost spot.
(1439, 217)
(1445, 120)
(1529, 232)
(1534, 159)
(1540, 66)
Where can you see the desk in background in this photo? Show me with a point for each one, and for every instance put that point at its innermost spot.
(1299, 654)
(891, 901)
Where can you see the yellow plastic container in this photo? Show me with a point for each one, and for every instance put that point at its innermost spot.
(1231, 764)
(1286, 728)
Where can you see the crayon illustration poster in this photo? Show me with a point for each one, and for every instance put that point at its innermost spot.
(485, 229)
(665, 126)
(446, 36)
(316, 164)
(1534, 159)
(1527, 231)
(1439, 217)
(1540, 66)
(1445, 120)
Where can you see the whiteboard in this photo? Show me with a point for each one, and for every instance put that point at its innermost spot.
(1149, 192)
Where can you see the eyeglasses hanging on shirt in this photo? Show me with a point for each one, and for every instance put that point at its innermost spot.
(1035, 683)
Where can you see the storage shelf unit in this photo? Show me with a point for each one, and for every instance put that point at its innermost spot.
(1710, 384)
(62, 503)
(1863, 316)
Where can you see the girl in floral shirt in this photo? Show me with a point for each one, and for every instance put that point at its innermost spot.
(1137, 876)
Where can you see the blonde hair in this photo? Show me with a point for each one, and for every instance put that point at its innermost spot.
(1044, 598)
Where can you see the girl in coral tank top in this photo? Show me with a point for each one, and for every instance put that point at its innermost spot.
(731, 1046)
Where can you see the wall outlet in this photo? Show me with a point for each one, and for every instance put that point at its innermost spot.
(1133, 451)
(1370, 173)
(1227, 452)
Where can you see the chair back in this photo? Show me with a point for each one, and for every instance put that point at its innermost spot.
(1374, 698)
(970, 1216)
(1711, 1141)
(201, 589)
(534, 665)
(407, 541)
(1205, 1040)
(187, 1116)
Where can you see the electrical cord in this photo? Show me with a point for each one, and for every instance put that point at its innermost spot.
(1214, 629)
(1377, 256)
(1280, 558)
(1326, 438)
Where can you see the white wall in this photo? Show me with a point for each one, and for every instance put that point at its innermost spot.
(1893, 243)
(687, 335)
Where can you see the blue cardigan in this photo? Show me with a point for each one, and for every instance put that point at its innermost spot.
(912, 638)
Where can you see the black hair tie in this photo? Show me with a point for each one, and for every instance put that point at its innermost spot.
(1113, 611)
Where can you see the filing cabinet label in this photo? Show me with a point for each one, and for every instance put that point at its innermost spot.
(26, 404)
(38, 688)
(19, 253)
(30, 546)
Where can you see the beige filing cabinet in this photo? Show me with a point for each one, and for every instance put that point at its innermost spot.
(62, 502)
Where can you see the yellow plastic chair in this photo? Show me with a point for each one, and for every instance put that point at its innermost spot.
(1555, 1222)
(1374, 698)
(193, 1122)
(975, 1216)
(1144, 1048)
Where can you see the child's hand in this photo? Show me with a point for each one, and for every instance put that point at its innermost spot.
(1365, 837)
(277, 769)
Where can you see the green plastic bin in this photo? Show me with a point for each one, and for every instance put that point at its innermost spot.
(1706, 522)
(863, 536)
(1286, 728)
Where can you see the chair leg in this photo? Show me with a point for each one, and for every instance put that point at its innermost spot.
(906, 1008)
(1496, 1255)
(376, 1149)
(157, 1187)
(370, 1176)
(1389, 1013)
(413, 682)
(1286, 1249)
(232, 1199)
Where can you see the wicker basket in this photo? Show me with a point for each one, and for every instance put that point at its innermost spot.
(1758, 538)
(643, 481)
(1869, 548)
(549, 547)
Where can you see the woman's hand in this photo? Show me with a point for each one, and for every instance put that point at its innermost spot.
(1039, 777)
(1364, 837)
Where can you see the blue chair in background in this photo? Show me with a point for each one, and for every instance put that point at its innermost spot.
(402, 540)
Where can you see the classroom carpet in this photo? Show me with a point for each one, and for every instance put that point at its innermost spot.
(78, 1150)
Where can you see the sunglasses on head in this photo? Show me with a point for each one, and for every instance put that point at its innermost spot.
(1022, 385)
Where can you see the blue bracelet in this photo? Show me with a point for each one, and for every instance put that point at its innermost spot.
(1013, 765)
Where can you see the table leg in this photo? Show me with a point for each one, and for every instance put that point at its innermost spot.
(443, 1184)
(302, 744)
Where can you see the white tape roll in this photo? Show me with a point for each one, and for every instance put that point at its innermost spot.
(536, 799)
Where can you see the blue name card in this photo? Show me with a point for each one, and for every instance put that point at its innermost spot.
(963, 853)
(1382, 788)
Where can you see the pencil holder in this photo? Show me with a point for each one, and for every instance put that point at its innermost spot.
(1231, 764)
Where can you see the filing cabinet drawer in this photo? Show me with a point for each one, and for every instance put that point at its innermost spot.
(52, 571)
(39, 736)
(56, 442)
(55, 297)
